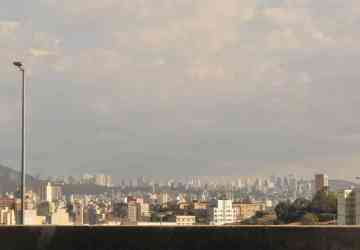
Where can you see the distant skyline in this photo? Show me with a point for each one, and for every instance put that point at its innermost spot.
(183, 87)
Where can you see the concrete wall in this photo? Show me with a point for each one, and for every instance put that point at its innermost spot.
(175, 238)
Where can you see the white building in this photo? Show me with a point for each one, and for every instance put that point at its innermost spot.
(100, 180)
(185, 220)
(224, 213)
(132, 212)
(79, 213)
(164, 199)
(46, 192)
(348, 207)
(87, 178)
(103, 180)
(31, 218)
(60, 217)
(321, 182)
(7, 216)
(144, 210)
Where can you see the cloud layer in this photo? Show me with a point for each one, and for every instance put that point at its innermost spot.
(183, 87)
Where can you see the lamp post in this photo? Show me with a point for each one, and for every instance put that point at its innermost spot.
(20, 66)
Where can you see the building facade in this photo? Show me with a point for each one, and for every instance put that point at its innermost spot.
(348, 207)
(32, 218)
(247, 210)
(224, 213)
(164, 199)
(200, 205)
(46, 192)
(185, 220)
(60, 217)
(143, 211)
(132, 212)
(321, 182)
(7, 216)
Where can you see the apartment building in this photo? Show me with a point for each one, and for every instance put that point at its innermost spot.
(185, 220)
(247, 210)
(348, 207)
(223, 213)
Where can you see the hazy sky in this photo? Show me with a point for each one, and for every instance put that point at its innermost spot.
(183, 87)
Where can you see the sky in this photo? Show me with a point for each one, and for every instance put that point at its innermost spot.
(182, 87)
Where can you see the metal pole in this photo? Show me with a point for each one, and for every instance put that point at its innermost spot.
(23, 176)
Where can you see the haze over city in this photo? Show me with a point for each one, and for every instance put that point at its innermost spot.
(177, 88)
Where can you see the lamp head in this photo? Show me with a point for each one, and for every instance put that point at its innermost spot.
(19, 65)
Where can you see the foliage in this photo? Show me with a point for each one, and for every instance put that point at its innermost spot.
(301, 204)
(324, 202)
(309, 219)
(326, 217)
(261, 218)
(260, 214)
(282, 211)
(287, 212)
(323, 206)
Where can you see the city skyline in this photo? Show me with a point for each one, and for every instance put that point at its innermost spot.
(134, 88)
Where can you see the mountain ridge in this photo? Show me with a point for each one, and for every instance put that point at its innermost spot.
(10, 179)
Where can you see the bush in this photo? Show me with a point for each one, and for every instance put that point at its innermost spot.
(309, 219)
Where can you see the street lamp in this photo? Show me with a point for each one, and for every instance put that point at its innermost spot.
(20, 66)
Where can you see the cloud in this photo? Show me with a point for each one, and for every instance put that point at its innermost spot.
(188, 83)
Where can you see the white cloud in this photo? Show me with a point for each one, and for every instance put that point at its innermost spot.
(229, 62)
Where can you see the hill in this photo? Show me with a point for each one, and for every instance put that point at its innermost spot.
(337, 185)
(10, 179)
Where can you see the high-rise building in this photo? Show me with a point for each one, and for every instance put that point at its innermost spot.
(90, 215)
(57, 192)
(143, 211)
(108, 181)
(132, 212)
(224, 213)
(46, 192)
(103, 180)
(321, 182)
(79, 213)
(7, 216)
(100, 180)
(87, 178)
(164, 199)
(348, 207)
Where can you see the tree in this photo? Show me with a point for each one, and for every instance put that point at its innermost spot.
(309, 219)
(297, 209)
(282, 211)
(289, 212)
(324, 202)
(301, 204)
(302, 209)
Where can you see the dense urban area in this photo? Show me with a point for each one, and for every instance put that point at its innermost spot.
(95, 200)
